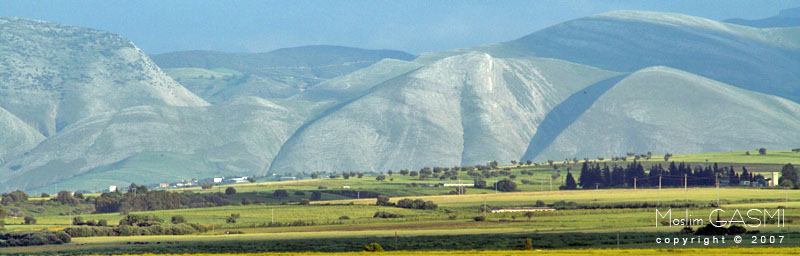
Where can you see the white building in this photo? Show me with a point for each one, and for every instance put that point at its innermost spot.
(523, 209)
(240, 180)
(112, 188)
(288, 178)
(457, 184)
(218, 180)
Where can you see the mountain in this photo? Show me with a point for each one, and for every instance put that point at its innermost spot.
(236, 138)
(627, 41)
(785, 18)
(465, 109)
(218, 76)
(90, 110)
(53, 75)
(662, 109)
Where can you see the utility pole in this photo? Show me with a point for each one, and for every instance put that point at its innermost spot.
(717, 189)
(686, 187)
(659, 190)
(596, 190)
(634, 183)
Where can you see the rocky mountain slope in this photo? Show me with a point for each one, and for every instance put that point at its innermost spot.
(280, 73)
(54, 75)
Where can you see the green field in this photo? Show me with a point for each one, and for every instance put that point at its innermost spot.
(341, 221)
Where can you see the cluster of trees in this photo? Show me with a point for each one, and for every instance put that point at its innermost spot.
(136, 225)
(136, 200)
(29, 238)
(416, 204)
(674, 175)
(17, 196)
(789, 177)
(407, 203)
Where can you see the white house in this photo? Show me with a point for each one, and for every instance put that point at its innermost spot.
(218, 180)
(240, 180)
(112, 188)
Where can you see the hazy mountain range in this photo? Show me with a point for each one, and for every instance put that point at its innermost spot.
(84, 109)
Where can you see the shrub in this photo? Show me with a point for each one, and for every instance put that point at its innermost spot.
(29, 238)
(316, 195)
(344, 217)
(280, 193)
(386, 215)
(178, 219)
(30, 220)
(540, 203)
(90, 223)
(383, 201)
(140, 220)
(762, 151)
(207, 185)
(506, 185)
(44, 195)
(77, 220)
(304, 201)
(373, 247)
(299, 193)
(479, 218)
(102, 223)
(230, 191)
(528, 244)
(736, 230)
(230, 220)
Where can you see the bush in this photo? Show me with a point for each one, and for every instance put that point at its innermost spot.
(44, 195)
(230, 219)
(29, 238)
(102, 223)
(416, 204)
(383, 201)
(736, 230)
(344, 217)
(373, 247)
(528, 244)
(280, 193)
(77, 220)
(140, 220)
(30, 220)
(178, 219)
(479, 218)
(304, 201)
(506, 185)
(207, 185)
(299, 193)
(386, 215)
(230, 191)
(316, 195)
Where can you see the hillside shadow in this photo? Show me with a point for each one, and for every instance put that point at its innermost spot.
(565, 113)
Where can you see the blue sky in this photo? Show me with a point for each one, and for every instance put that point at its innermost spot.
(160, 26)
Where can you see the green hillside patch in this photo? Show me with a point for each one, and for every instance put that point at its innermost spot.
(772, 157)
(143, 168)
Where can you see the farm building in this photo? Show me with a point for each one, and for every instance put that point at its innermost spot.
(243, 179)
(457, 184)
(218, 180)
(287, 178)
(523, 209)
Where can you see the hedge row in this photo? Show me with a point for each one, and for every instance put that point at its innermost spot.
(125, 230)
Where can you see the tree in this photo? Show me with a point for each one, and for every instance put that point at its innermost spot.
(230, 191)
(77, 221)
(373, 247)
(65, 197)
(380, 177)
(762, 151)
(316, 195)
(390, 172)
(30, 220)
(280, 193)
(529, 215)
(207, 185)
(479, 183)
(178, 219)
(788, 172)
(383, 201)
(404, 172)
(528, 243)
(304, 201)
(315, 175)
(44, 195)
(413, 173)
(251, 179)
(506, 185)
(14, 197)
(2, 217)
(569, 184)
